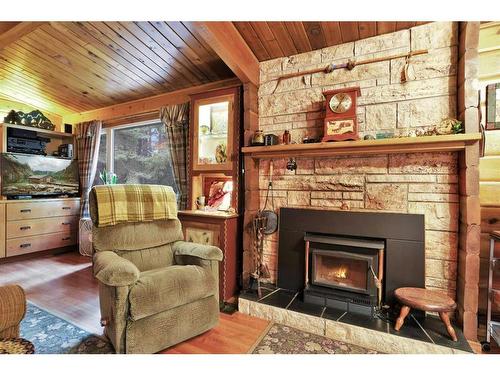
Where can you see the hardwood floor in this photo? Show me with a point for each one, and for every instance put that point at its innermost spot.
(63, 284)
(235, 334)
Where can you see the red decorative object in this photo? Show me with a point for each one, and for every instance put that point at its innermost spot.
(341, 122)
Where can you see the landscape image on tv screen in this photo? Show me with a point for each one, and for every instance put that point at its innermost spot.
(38, 175)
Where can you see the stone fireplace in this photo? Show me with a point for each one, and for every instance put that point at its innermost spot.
(439, 189)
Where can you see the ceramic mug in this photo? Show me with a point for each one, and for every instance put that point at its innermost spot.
(200, 201)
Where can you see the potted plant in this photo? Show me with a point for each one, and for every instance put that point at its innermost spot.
(108, 178)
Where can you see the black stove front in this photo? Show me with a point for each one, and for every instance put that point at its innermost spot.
(354, 260)
(344, 273)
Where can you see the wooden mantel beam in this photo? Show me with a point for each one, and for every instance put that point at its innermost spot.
(12, 31)
(227, 42)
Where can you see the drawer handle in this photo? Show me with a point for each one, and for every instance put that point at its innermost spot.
(66, 223)
(66, 208)
(66, 238)
(24, 245)
(25, 228)
(25, 210)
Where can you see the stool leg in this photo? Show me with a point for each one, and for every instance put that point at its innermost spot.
(405, 310)
(446, 320)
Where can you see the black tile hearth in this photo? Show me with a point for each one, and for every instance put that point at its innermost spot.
(376, 324)
(305, 308)
(429, 329)
(333, 314)
(411, 329)
(437, 331)
(279, 298)
(251, 294)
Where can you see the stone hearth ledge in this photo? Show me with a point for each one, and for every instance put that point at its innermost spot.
(351, 334)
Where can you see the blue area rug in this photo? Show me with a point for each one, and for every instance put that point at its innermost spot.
(53, 335)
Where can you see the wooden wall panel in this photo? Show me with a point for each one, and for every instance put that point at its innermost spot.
(489, 192)
(492, 144)
(489, 168)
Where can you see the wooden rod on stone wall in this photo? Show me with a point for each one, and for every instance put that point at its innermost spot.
(351, 64)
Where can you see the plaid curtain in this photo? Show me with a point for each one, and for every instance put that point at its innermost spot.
(88, 136)
(176, 121)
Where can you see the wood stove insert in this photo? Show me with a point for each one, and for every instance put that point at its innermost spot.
(402, 234)
(344, 273)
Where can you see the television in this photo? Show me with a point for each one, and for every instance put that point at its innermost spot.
(38, 176)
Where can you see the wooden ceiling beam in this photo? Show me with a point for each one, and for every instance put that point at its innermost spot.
(227, 42)
(147, 105)
(13, 31)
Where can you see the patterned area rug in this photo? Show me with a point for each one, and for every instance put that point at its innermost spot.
(281, 339)
(53, 335)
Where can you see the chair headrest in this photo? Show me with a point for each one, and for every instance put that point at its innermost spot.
(131, 203)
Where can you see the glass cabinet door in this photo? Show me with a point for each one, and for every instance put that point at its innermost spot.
(213, 133)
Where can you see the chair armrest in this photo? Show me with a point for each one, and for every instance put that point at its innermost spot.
(205, 252)
(12, 306)
(113, 270)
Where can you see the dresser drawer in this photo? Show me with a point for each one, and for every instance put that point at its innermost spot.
(31, 227)
(36, 210)
(31, 244)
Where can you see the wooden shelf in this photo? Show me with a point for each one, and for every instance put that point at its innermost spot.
(435, 143)
(48, 133)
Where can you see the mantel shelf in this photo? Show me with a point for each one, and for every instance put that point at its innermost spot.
(435, 143)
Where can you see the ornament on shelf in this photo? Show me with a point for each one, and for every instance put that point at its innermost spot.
(449, 126)
(34, 119)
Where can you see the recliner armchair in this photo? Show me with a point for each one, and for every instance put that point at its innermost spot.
(155, 290)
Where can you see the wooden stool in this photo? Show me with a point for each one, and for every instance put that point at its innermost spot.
(426, 300)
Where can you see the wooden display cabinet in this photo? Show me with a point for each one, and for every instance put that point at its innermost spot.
(213, 130)
(214, 141)
(214, 167)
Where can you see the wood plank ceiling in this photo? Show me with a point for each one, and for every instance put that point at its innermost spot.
(269, 40)
(66, 67)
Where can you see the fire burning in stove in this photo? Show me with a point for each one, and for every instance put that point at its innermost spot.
(341, 272)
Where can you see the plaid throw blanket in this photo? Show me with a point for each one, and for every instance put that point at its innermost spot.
(133, 203)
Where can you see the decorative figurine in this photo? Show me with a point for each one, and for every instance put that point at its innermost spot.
(287, 137)
(220, 153)
(291, 165)
(258, 138)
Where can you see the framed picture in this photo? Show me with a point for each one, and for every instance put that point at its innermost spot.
(493, 106)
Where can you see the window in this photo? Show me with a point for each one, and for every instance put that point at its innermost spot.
(137, 154)
(101, 159)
